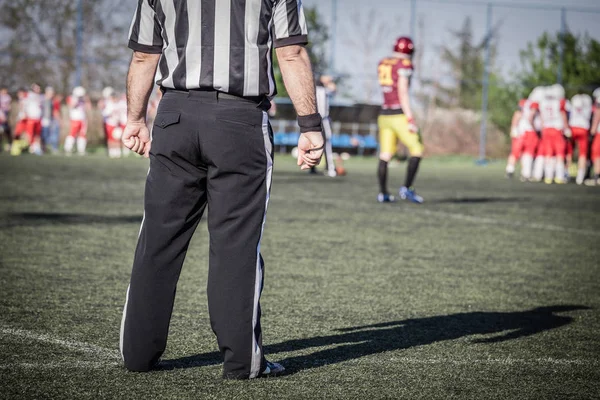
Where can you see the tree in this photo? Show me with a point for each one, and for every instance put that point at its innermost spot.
(581, 73)
(467, 65)
(318, 36)
(364, 41)
(466, 68)
(581, 63)
(39, 42)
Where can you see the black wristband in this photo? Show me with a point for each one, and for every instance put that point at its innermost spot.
(310, 123)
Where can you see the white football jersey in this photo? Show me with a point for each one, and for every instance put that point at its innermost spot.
(551, 110)
(110, 112)
(77, 109)
(528, 109)
(122, 111)
(33, 106)
(581, 111)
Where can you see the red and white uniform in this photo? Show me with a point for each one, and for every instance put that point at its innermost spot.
(595, 151)
(32, 107)
(21, 126)
(122, 112)
(77, 115)
(527, 140)
(5, 104)
(580, 121)
(551, 112)
(110, 113)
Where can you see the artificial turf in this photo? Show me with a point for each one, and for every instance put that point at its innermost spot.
(491, 289)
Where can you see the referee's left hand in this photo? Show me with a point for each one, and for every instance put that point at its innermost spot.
(310, 149)
(136, 137)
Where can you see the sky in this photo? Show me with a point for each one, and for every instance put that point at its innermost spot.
(516, 27)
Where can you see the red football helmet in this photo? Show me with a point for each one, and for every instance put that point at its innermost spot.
(404, 45)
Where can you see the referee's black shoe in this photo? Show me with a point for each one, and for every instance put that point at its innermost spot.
(271, 370)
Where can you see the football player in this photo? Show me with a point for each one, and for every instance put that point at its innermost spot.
(122, 119)
(579, 121)
(396, 121)
(516, 142)
(595, 151)
(554, 125)
(19, 144)
(325, 88)
(537, 173)
(524, 137)
(33, 115)
(78, 107)
(111, 118)
(5, 107)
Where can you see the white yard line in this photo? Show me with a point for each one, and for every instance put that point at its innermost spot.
(69, 344)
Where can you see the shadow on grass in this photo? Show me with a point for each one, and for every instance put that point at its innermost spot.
(43, 218)
(359, 341)
(480, 200)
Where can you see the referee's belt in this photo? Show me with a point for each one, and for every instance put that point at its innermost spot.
(260, 101)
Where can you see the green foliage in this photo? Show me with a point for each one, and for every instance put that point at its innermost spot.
(581, 63)
(38, 43)
(581, 73)
(540, 60)
(318, 36)
(466, 67)
(503, 101)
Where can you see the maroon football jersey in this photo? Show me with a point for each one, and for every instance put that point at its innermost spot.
(390, 70)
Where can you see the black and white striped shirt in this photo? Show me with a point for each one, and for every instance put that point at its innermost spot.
(222, 45)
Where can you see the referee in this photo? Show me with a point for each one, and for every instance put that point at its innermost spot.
(211, 145)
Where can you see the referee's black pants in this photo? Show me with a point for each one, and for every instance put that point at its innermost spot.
(215, 151)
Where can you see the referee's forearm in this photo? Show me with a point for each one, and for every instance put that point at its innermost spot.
(296, 70)
(140, 81)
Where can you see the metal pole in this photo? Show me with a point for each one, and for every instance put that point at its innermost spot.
(486, 82)
(333, 37)
(79, 44)
(561, 44)
(413, 19)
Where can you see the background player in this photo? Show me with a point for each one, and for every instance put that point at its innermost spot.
(111, 118)
(325, 88)
(579, 121)
(595, 151)
(121, 112)
(516, 139)
(554, 124)
(19, 144)
(5, 107)
(33, 116)
(396, 120)
(78, 106)
(530, 141)
(524, 137)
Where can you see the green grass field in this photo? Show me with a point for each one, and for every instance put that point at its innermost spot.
(489, 290)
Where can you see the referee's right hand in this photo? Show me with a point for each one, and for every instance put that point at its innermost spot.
(136, 137)
(310, 149)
